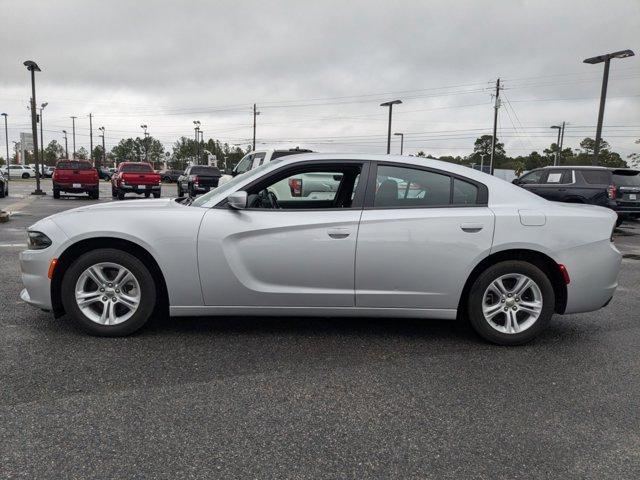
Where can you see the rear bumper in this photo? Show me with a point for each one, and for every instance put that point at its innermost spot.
(593, 269)
(140, 188)
(69, 187)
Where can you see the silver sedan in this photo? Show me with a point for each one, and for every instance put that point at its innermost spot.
(329, 235)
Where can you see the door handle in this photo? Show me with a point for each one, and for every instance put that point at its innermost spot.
(338, 233)
(471, 227)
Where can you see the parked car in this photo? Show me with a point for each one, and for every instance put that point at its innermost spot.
(105, 174)
(198, 179)
(47, 171)
(170, 176)
(257, 158)
(135, 177)
(75, 176)
(400, 236)
(20, 171)
(614, 188)
(4, 185)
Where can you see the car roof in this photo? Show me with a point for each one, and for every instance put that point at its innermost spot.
(591, 167)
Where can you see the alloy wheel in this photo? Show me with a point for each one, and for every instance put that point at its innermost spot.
(512, 303)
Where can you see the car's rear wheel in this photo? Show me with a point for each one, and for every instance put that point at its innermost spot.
(180, 192)
(108, 292)
(147, 194)
(511, 302)
(2, 188)
(156, 194)
(56, 193)
(25, 175)
(120, 195)
(619, 220)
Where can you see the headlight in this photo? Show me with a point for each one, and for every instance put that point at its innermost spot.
(38, 241)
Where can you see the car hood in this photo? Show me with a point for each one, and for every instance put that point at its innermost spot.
(125, 206)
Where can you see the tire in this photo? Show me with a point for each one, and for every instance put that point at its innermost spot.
(114, 194)
(56, 193)
(120, 195)
(2, 190)
(26, 175)
(180, 192)
(94, 195)
(192, 194)
(156, 194)
(526, 327)
(147, 194)
(619, 221)
(143, 287)
(166, 179)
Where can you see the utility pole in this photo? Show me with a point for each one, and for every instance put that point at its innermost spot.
(562, 138)
(555, 160)
(91, 139)
(6, 137)
(73, 138)
(66, 145)
(495, 126)
(255, 114)
(197, 136)
(144, 141)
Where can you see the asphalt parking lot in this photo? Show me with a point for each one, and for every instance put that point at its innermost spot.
(313, 398)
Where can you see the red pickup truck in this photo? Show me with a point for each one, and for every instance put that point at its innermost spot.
(135, 177)
(75, 176)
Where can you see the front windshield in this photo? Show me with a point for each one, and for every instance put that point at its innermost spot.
(204, 200)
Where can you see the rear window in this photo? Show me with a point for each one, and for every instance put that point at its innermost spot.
(74, 165)
(622, 178)
(210, 171)
(137, 167)
(596, 177)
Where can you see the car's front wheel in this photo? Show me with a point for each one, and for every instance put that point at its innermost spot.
(511, 302)
(108, 292)
(25, 175)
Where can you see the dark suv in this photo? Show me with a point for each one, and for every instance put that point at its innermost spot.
(615, 188)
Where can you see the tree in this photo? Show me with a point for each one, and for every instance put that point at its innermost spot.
(482, 145)
(2, 161)
(82, 153)
(126, 151)
(635, 157)
(53, 152)
(588, 145)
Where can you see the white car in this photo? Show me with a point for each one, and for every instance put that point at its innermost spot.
(397, 237)
(20, 171)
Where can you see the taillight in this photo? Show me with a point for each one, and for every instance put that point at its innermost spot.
(295, 185)
(564, 273)
(612, 192)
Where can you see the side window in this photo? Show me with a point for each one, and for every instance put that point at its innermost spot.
(596, 177)
(532, 178)
(319, 188)
(464, 193)
(244, 165)
(556, 177)
(408, 187)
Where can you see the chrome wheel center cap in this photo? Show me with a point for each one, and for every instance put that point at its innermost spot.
(510, 302)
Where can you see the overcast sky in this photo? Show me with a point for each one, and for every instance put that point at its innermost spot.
(318, 72)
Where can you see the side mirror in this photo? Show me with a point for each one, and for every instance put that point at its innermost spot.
(237, 200)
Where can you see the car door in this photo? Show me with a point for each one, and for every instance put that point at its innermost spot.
(300, 255)
(421, 233)
(555, 184)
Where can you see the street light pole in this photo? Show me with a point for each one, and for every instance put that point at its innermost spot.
(146, 148)
(255, 114)
(559, 128)
(66, 145)
(73, 119)
(482, 155)
(104, 152)
(197, 135)
(401, 135)
(603, 92)
(33, 68)
(41, 139)
(390, 105)
(6, 137)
